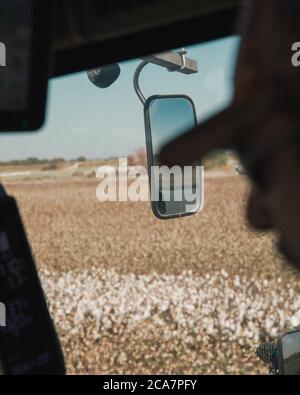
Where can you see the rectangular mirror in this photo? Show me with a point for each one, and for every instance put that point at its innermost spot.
(175, 192)
(289, 353)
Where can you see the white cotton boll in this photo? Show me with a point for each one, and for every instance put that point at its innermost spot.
(295, 320)
(164, 306)
(204, 305)
(265, 283)
(273, 332)
(224, 273)
(236, 281)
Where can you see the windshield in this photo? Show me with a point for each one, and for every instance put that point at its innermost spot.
(131, 294)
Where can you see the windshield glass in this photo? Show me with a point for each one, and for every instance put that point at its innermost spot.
(129, 293)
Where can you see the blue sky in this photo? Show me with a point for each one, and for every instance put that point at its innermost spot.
(98, 123)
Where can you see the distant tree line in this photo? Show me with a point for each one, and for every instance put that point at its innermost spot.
(34, 161)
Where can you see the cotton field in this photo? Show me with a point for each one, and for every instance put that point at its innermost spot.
(130, 294)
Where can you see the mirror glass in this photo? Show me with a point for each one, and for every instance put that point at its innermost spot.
(175, 192)
(291, 353)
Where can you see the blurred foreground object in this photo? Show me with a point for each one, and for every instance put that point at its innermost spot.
(265, 83)
(79, 22)
(282, 355)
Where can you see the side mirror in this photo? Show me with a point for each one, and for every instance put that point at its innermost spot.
(288, 348)
(175, 192)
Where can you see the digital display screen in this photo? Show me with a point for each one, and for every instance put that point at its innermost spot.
(15, 54)
(28, 341)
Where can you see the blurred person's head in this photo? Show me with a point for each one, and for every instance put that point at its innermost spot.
(262, 123)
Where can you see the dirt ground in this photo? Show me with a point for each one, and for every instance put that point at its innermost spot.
(130, 294)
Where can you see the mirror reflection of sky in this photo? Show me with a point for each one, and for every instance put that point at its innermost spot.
(291, 345)
(169, 118)
(291, 353)
(99, 123)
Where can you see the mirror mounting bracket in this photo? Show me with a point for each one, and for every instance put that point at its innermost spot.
(172, 61)
(136, 83)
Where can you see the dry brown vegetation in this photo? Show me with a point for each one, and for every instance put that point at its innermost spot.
(132, 294)
(138, 158)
